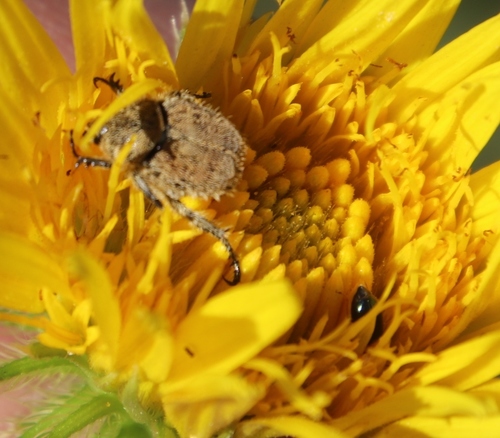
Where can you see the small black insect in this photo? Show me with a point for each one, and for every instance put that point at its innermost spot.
(182, 147)
(362, 302)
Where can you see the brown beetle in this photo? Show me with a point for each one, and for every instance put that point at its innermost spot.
(182, 147)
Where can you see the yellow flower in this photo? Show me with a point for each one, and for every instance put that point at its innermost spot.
(356, 186)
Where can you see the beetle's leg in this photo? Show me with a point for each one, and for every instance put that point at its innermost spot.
(111, 83)
(199, 221)
(86, 161)
(204, 95)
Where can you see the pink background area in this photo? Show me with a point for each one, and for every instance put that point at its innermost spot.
(54, 16)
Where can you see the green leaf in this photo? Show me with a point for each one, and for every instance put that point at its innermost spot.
(28, 365)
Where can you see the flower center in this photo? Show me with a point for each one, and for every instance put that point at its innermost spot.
(344, 197)
(309, 211)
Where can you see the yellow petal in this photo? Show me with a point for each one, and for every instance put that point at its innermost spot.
(59, 314)
(231, 328)
(465, 365)
(489, 389)
(463, 120)
(293, 16)
(146, 341)
(206, 404)
(364, 30)
(67, 330)
(156, 366)
(409, 47)
(15, 196)
(432, 401)
(27, 269)
(485, 184)
(88, 25)
(208, 42)
(17, 129)
(293, 426)
(19, 135)
(105, 306)
(454, 427)
(160, 256)
(28, 57)
(133, 24)
(481, 313)
(446, 68)
(310, 405)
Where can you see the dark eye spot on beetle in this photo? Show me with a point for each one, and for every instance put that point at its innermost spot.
(362, 302)
(182, 147)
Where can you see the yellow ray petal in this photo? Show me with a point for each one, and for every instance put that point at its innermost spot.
(18, 138)
(19, 134)
(246, 16)
(485, 184)
(90, 46)
(105, 306)
(409, 47)
(432, 401)
(330, 16)
(19, 294)
(446, 68)
(33, 71)
(27, 269)
(60, 316)
(145, 342)
(291, 17)
(156, 367)
(28, 57)
(232, 327)
(463, 120)
(132, 23)
(466, 365)
(208, 42)
(160, 256)
(366, 30)
(206, 404)
(481, 313)
(293, 426)
(488, 389)
(450, 427)
(311, 405)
